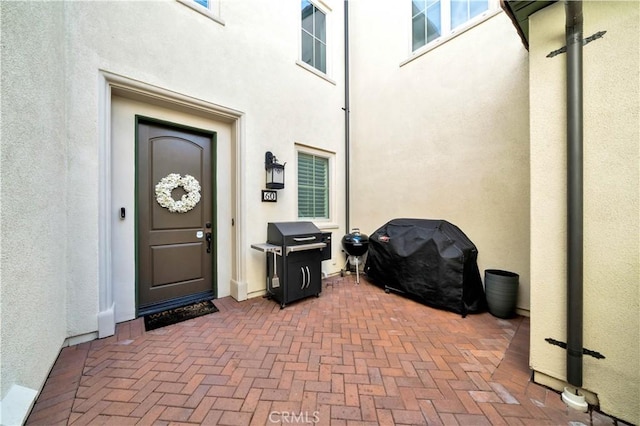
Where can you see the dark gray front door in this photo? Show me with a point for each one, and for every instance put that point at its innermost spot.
(176, 250)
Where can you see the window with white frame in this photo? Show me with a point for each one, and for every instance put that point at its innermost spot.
(313, 185)
(433, 19)
(314, 36)
(208, 8)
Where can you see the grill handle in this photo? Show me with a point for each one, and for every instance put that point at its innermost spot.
(303, 247)
(308, 276)
(302, 239)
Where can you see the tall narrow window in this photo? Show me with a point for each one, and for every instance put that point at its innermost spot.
(432, 19)
(314, 36)
(313, 186)
(426, 21)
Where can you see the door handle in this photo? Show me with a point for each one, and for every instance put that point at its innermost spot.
(306, 284)
(304, 278)
(208, 238)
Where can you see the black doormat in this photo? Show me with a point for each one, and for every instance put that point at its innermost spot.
(183, 313)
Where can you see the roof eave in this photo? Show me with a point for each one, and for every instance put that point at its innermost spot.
(519, 12)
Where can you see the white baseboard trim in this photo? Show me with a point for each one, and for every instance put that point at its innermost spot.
(239, 290)
(82, 338)
(107, 322)
(16, 405)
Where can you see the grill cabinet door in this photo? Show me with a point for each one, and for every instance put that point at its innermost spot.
(304, 275)
(296, 278)
(314, 286)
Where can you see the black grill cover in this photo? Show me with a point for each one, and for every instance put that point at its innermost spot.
(431, 261)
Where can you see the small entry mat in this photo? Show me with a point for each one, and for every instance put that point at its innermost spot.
(175, 315)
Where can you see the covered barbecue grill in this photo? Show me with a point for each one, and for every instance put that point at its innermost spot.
(431, 261)
(295, 251)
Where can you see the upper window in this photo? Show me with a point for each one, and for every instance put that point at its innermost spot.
(432, 19)
(208, 8)
(313, 186)
(314, 36)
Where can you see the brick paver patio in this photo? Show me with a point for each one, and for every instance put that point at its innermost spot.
(353, 356)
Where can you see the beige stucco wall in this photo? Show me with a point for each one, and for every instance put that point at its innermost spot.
(34, 189)
(444, 136)
(53, 122)
(248, 64)
(611, 189)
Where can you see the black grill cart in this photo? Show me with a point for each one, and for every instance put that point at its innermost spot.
(294, 260)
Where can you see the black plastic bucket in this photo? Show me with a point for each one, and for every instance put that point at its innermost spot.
(501, 289)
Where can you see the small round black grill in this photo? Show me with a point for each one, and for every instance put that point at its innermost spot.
(355, 244)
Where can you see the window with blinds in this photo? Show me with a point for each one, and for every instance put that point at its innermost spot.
(313, 186)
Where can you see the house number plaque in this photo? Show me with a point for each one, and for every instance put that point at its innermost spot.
(269, 196)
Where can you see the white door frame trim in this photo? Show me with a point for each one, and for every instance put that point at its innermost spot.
(113, 84)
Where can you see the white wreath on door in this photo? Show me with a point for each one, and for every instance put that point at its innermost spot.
(172, 181)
